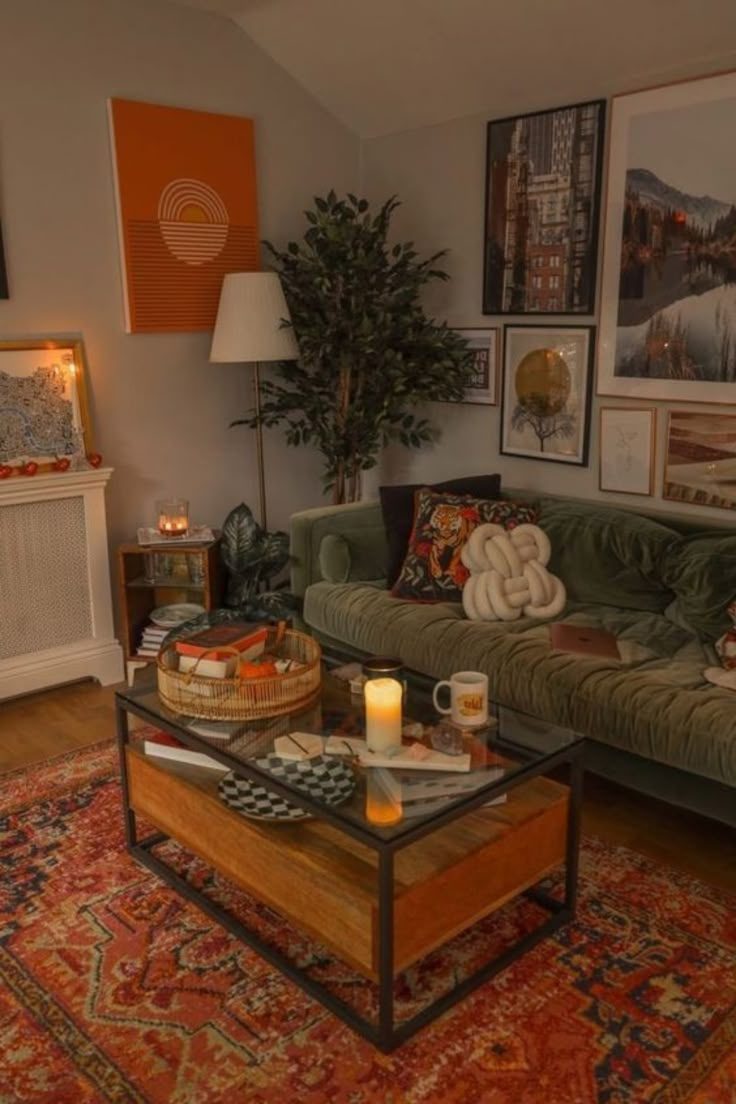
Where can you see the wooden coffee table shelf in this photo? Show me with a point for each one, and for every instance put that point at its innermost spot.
(326, 882)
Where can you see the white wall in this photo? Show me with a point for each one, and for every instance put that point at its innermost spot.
(438, 173)
(160, 411)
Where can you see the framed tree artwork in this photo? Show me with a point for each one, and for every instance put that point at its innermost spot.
(627, 441)
(668, 299)
(543, 176)
(545, 405)
(484, 344)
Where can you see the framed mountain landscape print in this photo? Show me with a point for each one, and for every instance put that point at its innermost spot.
(543, 175)
(668, 307)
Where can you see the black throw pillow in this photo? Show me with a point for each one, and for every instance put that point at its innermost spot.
(397, 507)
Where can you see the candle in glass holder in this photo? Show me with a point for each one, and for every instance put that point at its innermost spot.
(382, 798)
(173, 517)
(383, 713)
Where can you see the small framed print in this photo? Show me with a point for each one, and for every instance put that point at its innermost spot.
(545, 405)
(627, 441)
(484, 344)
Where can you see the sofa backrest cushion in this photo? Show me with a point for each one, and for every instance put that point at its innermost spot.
(607, 556)
(397, 508)
(702, 573)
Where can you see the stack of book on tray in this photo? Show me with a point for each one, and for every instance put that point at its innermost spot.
(217, 651)
(151, 641)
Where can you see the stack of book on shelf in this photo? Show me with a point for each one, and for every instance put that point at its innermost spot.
(422, 794)
(162, 746)
(151, 641)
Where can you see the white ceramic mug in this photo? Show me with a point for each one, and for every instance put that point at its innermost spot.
(468, 698)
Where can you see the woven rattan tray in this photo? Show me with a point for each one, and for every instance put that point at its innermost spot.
(245, 699)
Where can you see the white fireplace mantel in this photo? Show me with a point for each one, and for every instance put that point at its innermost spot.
(55, 603)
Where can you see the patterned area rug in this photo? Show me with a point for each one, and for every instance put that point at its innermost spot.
(116, 990)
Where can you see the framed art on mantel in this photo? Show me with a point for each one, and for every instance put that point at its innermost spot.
(44, 416)
(668, 296)
(187, 214)
(627, 439)
(543, 176)
(484, 344)
(545, 405)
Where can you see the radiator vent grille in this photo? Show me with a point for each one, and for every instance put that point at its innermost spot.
(44, 577)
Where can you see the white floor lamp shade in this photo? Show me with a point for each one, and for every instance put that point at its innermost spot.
(250, 328)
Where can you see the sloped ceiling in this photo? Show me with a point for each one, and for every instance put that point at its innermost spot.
(383, 66)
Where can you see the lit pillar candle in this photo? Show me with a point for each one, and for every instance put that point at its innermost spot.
(382, 713)
(382, 798)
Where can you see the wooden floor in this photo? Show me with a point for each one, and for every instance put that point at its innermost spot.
(46, 724)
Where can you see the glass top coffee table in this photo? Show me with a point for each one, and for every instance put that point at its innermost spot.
(381, 866)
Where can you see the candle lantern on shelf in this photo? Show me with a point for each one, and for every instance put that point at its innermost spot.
(383, 697)
(173, 517)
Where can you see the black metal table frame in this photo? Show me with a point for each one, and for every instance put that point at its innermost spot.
(383, 1034)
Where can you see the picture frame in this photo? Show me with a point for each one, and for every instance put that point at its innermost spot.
(187, 211)
(627, 440)
(542, 208)
(4, 292)
(546, 392)
(485, 343)
(700, 458)
(668, 312)
(44, 409)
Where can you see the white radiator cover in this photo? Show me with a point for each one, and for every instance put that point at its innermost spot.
(55, 604)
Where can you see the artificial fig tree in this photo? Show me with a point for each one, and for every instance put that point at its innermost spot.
(368, 353)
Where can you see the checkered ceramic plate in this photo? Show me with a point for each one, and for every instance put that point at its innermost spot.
(324, 778)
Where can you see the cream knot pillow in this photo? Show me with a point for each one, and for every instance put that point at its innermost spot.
(508, 574)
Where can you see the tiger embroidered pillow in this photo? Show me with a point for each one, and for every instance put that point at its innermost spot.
(432, 570)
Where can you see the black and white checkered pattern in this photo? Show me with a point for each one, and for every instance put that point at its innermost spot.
(324, 778)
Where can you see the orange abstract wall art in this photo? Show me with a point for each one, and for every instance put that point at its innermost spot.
(187, 211)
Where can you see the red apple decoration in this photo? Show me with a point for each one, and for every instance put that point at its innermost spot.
(94, 459)
(29, 468)
(61, 463)
(5, 471)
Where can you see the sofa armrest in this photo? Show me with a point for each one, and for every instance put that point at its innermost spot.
(356, 544)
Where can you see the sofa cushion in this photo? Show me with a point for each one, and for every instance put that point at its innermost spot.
(397, 508)
(608, 556)
(656, 705)
(701, 570)
(432, 570)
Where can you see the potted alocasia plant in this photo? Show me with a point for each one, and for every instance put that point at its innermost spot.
(369, 356)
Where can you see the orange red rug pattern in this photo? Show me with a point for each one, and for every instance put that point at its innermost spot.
(114, 989)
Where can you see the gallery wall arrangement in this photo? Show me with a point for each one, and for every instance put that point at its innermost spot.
(668, 291)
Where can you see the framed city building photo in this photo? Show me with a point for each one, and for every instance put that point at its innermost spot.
(668, 289)
(543, 176)
(484, 345)
(545, 405)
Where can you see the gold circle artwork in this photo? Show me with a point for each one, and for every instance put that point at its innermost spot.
(542, 381)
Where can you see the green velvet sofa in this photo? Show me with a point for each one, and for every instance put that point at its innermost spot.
(661, 584)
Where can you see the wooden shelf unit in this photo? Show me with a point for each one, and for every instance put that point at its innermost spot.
(141, 590)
